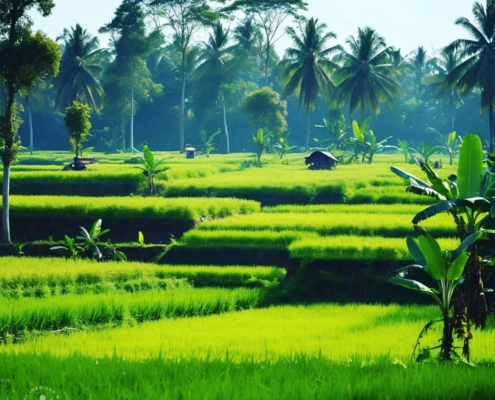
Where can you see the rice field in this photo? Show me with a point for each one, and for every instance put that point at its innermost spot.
(199, 330)
(305, 352)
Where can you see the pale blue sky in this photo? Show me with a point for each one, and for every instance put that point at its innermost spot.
(405, 24)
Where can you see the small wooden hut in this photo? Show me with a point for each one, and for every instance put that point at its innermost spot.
(321, 160)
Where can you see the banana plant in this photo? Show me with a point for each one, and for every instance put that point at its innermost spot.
(469, 197)
(207, 142)
(450, 144)
(365, 141)
(150, 167)
(426, 150)
(282, 147)
(339, 137)
(446, 268)
(260, 141)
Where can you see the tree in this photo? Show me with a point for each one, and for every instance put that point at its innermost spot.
(269, 16)
(80, 68)
(128, 77)
(76, 121)
(24, 58)
(214, 69)
(265, 110)
(184, 18)
(476, 71)
(306, 66)
(448, 60)
(367, 77)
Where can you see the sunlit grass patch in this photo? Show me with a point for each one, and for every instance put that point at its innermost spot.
(356, 248)
(335, 223)
(333, 332)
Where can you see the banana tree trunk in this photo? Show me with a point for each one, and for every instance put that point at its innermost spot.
(452, 119)
(225, 127)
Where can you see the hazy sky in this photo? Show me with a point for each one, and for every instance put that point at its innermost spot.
(405, 24)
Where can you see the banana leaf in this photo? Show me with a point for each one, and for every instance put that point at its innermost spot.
(476, 203)
(406, 175)
(470, 170)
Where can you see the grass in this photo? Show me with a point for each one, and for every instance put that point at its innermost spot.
(332, 332)
(34, 277)
(299, 377)
(344, 247)
(334, 223)
(70, 207)
(242, 239)
(19, 317)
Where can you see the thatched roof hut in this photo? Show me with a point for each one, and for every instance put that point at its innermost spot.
(321, 160)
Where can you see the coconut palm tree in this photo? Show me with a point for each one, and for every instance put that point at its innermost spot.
(306, 66)
(214, 68)
(448, 59)
(367, 77)
(477, 71)
(79, 70)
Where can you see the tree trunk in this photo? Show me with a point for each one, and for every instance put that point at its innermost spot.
(182, 103)
(447, 345)
(225, 127)
(492, 122)
(5, 208)
(308, 129)
(30, 120)
(131, 141)
(452, 128)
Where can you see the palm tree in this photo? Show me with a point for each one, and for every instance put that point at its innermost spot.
(306, 66)
(367, 77)
(448, 60)
(214, 68)
(79, 68)
(477, 70)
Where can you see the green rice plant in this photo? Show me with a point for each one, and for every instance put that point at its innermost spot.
(239, 239)
(386, 195)
(25, 276)
(327, 331)
(390, 225)
(77, 311)
(398, 208)
(89, 183)
(38, 217)
(306, 377)
(354, 248)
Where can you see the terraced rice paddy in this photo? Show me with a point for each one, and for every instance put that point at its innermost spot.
(194, 328)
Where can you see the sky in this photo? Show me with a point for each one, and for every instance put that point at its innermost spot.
(405, 24)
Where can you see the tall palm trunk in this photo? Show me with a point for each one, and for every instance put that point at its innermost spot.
(182, 102)
(308, 129)
(225, 127)
(492, 122)
(452, 128)
(131, 141)
(30, 120)
(8, 136)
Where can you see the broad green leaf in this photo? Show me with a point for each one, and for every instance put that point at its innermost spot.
(140, 237)
(148, 156)
(466, 243)
(95, 229)
(451, 139)
(406, 175)
(435, 264)
(413, 285)
(357, 131)
(456, 268)
(415, 251)
(470, 170)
